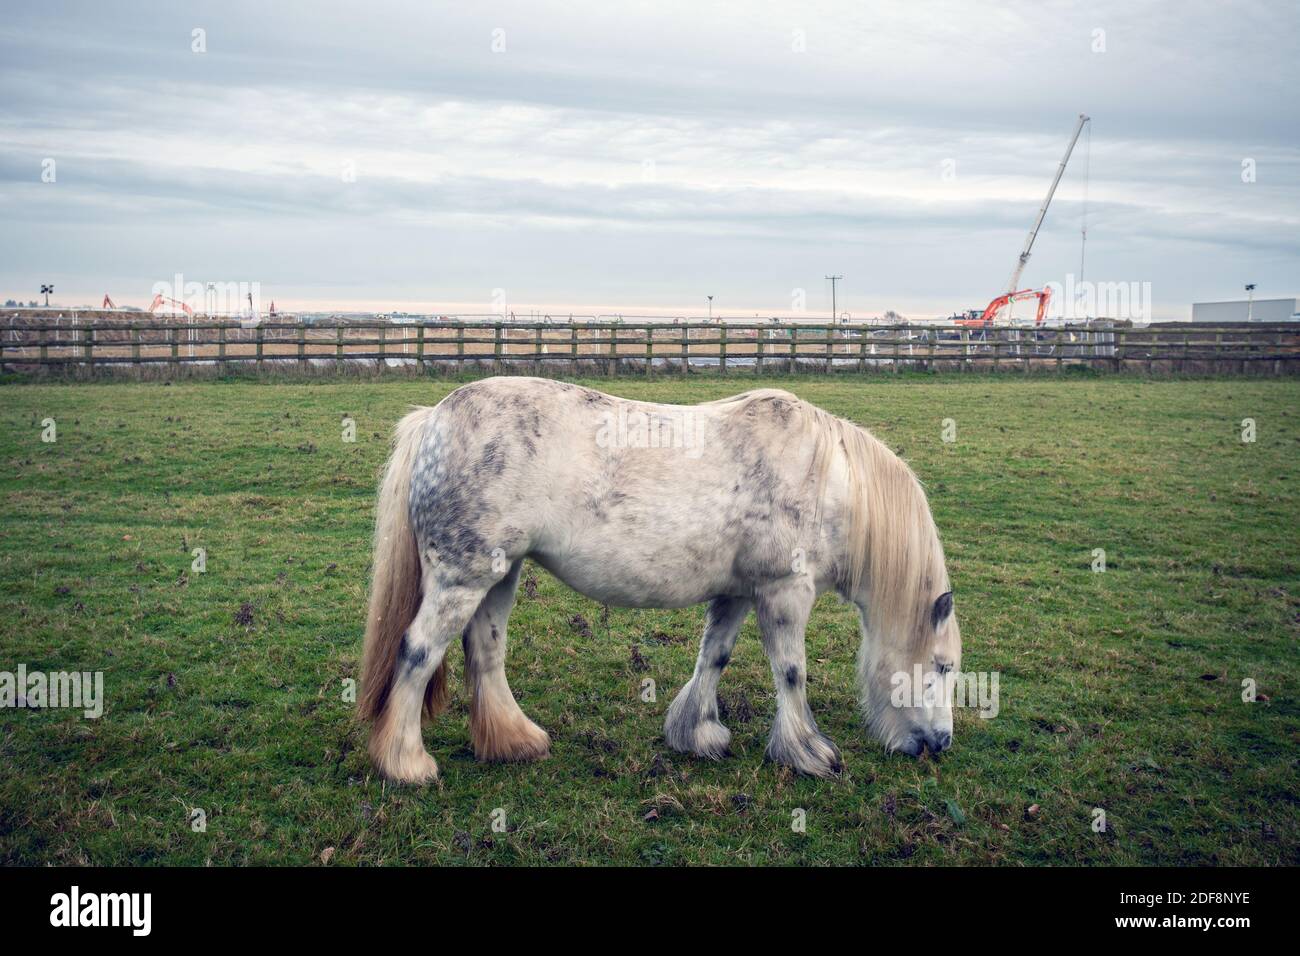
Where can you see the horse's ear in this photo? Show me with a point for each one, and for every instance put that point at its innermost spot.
(942, 608)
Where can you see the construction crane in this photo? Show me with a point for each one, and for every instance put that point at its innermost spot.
(990, 313)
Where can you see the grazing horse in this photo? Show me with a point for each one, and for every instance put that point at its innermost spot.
(761, 501)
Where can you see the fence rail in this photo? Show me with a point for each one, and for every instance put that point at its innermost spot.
(629, 347)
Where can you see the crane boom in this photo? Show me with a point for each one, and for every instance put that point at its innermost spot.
(1042, 212)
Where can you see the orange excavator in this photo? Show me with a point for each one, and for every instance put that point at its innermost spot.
(163, 301)
(986, 319)
(992, 312)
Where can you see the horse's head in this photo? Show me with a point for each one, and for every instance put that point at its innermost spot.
(907, 678)
(893, 569)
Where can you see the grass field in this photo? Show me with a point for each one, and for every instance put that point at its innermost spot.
(1119, 690)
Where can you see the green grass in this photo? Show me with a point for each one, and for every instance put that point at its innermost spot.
(1120, 690)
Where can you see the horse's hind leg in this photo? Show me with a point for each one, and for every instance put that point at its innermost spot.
(395, 743)
(783, 611)
(500, 729)
(692, 724)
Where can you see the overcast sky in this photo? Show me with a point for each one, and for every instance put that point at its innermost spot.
(590, 157)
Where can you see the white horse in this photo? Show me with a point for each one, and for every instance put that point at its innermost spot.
(759, 501)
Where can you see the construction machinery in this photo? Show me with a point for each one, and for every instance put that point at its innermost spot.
(986, 318)
(166, 302)
(992, 312)
(252, 318)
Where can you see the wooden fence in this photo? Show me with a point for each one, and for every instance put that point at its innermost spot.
(614, 348)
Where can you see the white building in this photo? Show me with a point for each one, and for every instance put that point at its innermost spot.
(1261, 310)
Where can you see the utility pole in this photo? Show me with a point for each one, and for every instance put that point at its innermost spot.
(1250, 302)
(834, 313)
(47, 289)
(710, 308)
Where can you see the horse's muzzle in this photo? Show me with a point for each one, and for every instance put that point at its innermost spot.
(936, 742)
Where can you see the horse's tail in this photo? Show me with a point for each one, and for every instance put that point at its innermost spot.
(395, 590)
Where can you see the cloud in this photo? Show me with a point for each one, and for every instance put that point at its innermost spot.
(905, 146)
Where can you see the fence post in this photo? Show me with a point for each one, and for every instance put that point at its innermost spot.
(175, 346)
(1056, 347)
(301, 328)
(760, 338)
(613, 349)
(862, 349)
(686, 347)
(722, 349)
(259, 348)
(221, 350)
(537, 348)
(649, 348)
(965, 349)
(794, 349)
(496, 348)
(573, 347)
(338, 347)
(383, 348)
(135, 345)
(895, 336)
(460, 347)
(419, 346)
(88, 345)
(830, 347)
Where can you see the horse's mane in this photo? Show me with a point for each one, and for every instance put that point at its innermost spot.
(893, 545)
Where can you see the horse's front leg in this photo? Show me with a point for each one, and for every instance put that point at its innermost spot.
(783, 609)
(692, 724)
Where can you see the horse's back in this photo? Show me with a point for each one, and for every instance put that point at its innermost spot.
(632, 502)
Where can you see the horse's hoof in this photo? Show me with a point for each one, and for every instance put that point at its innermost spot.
(816, 756)
(509, 741)
(413, 771)
(687, 732)
(711, 740)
